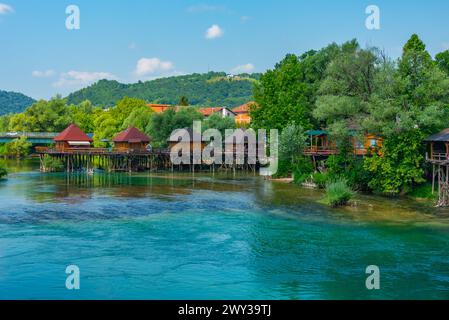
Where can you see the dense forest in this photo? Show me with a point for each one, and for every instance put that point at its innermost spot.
(210, 89)
(13, 102)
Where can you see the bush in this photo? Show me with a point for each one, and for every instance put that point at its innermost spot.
(3, 172)
(18, 147)
(50, 164)
(320, 179)
(338, 193)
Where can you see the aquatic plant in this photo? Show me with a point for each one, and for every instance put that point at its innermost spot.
(50, 164)
(338, 193)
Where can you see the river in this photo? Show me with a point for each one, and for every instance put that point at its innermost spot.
(204, 236)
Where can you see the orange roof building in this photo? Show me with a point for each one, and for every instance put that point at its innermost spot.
(159, 108)
(225, 112)
(242, 113)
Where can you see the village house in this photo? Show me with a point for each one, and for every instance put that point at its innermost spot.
(438, 146)
(72, 137)
(131, 140)
(322, 144)
(224, 112)
(242, 113)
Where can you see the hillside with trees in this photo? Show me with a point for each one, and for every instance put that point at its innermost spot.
(13, 102)
(210, 89)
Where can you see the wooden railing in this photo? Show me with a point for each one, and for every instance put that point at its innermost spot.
(439, 157)
(320, 150)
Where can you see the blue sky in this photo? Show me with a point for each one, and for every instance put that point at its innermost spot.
(139, 40)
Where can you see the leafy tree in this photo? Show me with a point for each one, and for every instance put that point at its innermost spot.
(163, 124)
(442, 60)
(139, 118)
(83, 115)
(216, 121)
(409, 104)
(110, 122)
(288, 93)
(346, 90)
(4, 123)
(184, 101)
(18, 147)
(42, 116)
(280, 97)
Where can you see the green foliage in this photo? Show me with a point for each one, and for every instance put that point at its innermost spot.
(42, 116)
(338, 193)
(320, 179)
(13, 102)
(409, 104)
(184, 101)
(127, 111)
(302, 169)
(3, 172)
(17, 148)
(442, 60)
(50, 164)
(210, 89)
(423, 191)
(163, 124)
(216, 121)
(291, 144)
(4, 123)
(400, 167)
(83, 115)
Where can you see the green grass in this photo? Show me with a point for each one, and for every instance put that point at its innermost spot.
(338, 193)
(423, 191)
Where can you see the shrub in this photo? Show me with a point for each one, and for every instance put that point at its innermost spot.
(3, 172)
(320, 179)
(338, 193)
(50, 164)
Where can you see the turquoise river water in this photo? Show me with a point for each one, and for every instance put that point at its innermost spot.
(178, 236)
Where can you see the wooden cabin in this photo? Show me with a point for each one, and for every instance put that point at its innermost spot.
(182, 137)
(131, 140)
(438, 146)
(371, 143)
(72, 138)
(320, 143)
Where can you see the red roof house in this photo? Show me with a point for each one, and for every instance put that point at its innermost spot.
(132, 139)
(72, 137)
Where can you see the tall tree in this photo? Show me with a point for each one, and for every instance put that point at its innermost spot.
(410, 103)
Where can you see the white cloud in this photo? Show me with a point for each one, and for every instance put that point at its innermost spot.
(245, 68)
(132, 46)
(199, 8)
(4, 8)
(147, 66)
(81, 78)
(43, 74)
(245, 18)
(214, 32)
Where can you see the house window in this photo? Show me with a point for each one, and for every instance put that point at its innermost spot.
(373, 142)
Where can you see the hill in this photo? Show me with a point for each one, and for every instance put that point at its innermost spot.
(209, 89)
(13, 102)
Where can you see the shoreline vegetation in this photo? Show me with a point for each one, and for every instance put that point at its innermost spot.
(351, 97)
